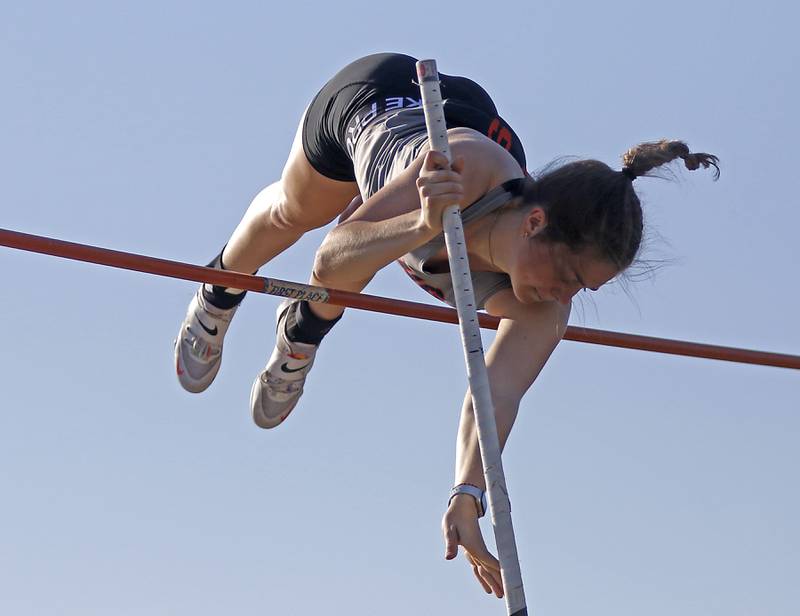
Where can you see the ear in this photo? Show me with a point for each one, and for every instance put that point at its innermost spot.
(534, 222)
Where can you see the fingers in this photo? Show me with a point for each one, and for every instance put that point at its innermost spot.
(435, 161)
(477, 571)
(438, 182)
(460, 528)
(440, 189)
(487, 571)
(450, 542)
(438, 176)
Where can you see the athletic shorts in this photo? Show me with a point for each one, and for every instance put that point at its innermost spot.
(374, 85)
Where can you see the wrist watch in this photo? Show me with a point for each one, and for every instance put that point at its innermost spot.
(475, 492)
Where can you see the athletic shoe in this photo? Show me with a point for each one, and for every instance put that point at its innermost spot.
(198, 347)
(277, 389)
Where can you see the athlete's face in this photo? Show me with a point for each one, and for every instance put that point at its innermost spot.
(545, 271)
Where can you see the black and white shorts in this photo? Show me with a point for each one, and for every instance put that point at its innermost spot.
(381, 89)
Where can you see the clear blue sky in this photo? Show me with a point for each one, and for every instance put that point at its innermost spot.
(640, 483)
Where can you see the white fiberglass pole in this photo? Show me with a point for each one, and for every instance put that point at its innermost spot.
(482, 404)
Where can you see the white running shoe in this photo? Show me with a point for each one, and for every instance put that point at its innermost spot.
(198, 347)
(277, 389)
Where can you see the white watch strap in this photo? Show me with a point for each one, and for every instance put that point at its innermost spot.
(475, 492)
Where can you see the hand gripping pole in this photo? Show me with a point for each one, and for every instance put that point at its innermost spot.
(482, 404)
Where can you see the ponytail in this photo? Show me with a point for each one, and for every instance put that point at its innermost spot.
(641, 159)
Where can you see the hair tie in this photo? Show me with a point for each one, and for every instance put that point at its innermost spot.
(629, 173)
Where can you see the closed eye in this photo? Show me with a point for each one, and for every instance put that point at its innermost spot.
(585, 286)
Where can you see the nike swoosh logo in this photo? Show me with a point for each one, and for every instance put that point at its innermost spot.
(211, 332)
(285, 367)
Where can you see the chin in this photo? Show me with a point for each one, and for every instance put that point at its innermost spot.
(529, 296)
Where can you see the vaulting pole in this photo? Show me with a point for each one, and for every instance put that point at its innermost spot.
(479, 386)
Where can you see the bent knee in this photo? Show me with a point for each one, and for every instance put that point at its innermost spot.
(330, 271)
(327, 270)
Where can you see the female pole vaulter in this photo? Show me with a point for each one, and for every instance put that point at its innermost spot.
(361, 153)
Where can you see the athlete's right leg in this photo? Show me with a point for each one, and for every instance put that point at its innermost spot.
(303, 199)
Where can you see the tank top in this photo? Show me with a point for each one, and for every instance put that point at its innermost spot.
(389, 144)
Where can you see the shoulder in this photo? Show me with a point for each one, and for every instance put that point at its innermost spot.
(526, 337)
(486, 163)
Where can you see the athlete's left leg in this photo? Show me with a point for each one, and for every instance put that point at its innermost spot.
(302, 200)
(280, 214)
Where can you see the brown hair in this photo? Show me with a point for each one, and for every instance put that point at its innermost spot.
(641, 159)
(589, 204)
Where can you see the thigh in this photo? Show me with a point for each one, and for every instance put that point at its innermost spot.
(319, 179)
(311, 199)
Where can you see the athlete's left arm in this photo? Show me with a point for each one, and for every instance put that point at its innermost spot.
(526, 337)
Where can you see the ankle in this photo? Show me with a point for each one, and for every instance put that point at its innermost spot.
(302, 325)
(223, 298)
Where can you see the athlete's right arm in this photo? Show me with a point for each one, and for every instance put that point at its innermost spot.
(397, 219)
(407, 212)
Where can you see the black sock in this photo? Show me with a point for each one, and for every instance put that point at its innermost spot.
(221, 297)
(302, 325)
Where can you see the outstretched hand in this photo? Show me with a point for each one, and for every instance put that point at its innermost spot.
(460, 527)
(439, 186)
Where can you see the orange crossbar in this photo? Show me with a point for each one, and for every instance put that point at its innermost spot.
(272, 286)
